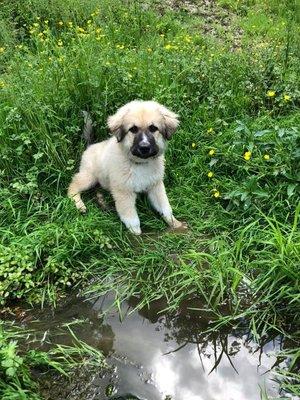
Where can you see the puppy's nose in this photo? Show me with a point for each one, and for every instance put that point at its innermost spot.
(144, 147)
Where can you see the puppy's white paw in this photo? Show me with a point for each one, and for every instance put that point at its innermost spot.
(136, 230)
(178, 225)
(81, 207)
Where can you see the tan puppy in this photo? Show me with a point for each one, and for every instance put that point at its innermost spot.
(130, 162)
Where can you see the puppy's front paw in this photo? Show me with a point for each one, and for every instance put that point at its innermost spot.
(178, 225)
(136, 230)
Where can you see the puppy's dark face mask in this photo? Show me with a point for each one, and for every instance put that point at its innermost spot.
(144, 144)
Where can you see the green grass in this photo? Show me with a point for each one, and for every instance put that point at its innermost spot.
(236, 89)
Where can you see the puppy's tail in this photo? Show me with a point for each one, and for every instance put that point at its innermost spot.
(88, 128)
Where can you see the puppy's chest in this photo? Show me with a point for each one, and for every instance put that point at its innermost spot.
(142, 177)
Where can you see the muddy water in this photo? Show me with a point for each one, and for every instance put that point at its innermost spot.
(156, 356)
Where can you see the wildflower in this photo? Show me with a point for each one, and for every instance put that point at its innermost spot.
(2, 50)
(60, 43)
(216, 193)
(210, 174)
(286, 97)
(247, 155)
(211, 152)
(210, 130)
(60, 23)
(193, 145)
(271, 93)
(2, 84)
(149, 50)
(266, 157)
(168, 46)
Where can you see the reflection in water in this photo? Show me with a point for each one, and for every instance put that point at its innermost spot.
(162, 355)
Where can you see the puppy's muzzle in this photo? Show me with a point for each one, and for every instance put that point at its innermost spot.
(144, 146)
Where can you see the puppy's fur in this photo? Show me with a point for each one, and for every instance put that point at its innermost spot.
(130, 162)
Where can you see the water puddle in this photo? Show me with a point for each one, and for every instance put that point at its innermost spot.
(157, 356)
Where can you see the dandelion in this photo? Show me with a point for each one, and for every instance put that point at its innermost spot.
(286, 97)
(2, 50)
(193, 145)
(60, 23)
(210, 130)
(271, 93)
(211, 152)
(266, 157)
(60, 43)
(210, 174)
(216, 193)
(247, 155)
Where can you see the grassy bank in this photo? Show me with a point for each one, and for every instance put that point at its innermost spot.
(231, 71)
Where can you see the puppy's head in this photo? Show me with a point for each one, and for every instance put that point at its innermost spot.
(142, 128)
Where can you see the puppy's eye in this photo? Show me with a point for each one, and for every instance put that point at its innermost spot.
(153, 128)
(134, 129)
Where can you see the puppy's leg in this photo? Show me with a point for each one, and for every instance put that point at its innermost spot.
(125, 205)
(80, 182)
(160, 202)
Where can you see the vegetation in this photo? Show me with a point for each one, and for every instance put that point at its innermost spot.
(232, 74)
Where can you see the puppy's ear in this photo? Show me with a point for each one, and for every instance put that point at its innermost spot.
(170, 121)
(115, 123)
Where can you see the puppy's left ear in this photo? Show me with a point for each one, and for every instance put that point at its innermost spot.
(170, 121)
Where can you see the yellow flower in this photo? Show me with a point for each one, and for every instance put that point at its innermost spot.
(60, 23)
(210, 174)
(60, 43)
(286, 97)
(247, 155)
(168, 46)
(193, 145)
(211, 152)
(149, 50)
(271, 93)
(2, 50)
(266, 157)
(216, 193)
(210, 130)
(2, 84)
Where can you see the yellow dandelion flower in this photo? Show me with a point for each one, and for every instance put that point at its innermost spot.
(193, 145)
(2, 50)
(216, 193)
(60, 23)
(247, 155)
(210, 130)
(210, 174)
(60, 43)
(271, 93)
(211, 152)
(286, 97)
(266, 157)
